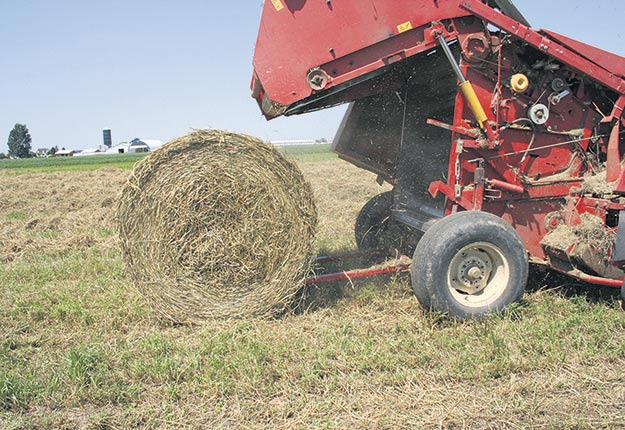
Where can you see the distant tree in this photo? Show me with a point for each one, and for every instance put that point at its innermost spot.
(2, 156)
(53, 150)
(19, 142)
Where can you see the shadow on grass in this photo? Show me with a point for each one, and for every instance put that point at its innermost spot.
(544, 279)
(327, 294)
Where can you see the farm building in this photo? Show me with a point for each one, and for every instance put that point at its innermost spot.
(65, 153)
(87, 152)
(135, 146)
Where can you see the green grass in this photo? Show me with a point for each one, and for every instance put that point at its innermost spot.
(309, 153)
(76, 334)
(306, 153)
(60, 164)
(81, 348)
(17, 216)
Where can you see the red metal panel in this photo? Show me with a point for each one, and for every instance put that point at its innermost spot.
(296, 36)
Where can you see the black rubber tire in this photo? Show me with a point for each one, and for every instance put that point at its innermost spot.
(422, 294)
(447, 242)
(623, 292)
(372, 222)
(375, 230)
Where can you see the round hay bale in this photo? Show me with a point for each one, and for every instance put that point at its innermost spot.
(217, 225)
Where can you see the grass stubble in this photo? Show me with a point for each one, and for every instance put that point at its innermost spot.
(81, 348)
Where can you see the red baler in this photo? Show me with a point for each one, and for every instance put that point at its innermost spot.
(504, 144)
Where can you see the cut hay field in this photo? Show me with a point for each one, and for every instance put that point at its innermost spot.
(81, 349)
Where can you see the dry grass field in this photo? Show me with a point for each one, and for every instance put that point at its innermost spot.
(81, 349)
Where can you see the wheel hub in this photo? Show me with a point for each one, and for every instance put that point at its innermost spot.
(471, 269)
(475, 274)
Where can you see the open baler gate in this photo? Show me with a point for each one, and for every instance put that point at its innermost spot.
(387, 66)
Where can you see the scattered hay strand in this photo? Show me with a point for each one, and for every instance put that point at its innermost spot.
(598, 184)
(589, 243)
(591, 231)
(217, 225)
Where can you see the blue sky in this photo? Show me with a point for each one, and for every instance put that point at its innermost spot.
(155, 69)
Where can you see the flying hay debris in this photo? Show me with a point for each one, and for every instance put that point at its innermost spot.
(217, 225)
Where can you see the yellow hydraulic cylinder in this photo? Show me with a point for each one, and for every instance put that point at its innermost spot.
(465, 86)
(474, 104)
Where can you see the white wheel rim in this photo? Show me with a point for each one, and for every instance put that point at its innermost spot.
(478, 274)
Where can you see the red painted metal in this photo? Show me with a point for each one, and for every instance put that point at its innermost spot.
(347, 39)
(613, 166)
(299, 36)
(516, 189)
(605, 282)
(609, 61)
(354, 274)
(620, 184)
(461, 130)
(528, 171)
(619, 108)
(574, 59)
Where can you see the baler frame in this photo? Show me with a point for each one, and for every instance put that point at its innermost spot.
(507, 157)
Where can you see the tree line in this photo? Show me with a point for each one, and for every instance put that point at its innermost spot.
(20, 144)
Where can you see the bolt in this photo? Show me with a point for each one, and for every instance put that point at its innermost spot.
(474, 273)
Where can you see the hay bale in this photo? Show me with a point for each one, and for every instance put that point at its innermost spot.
(217, 225)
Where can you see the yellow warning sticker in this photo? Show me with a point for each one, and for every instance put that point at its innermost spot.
(404, 27)
(277, 4)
